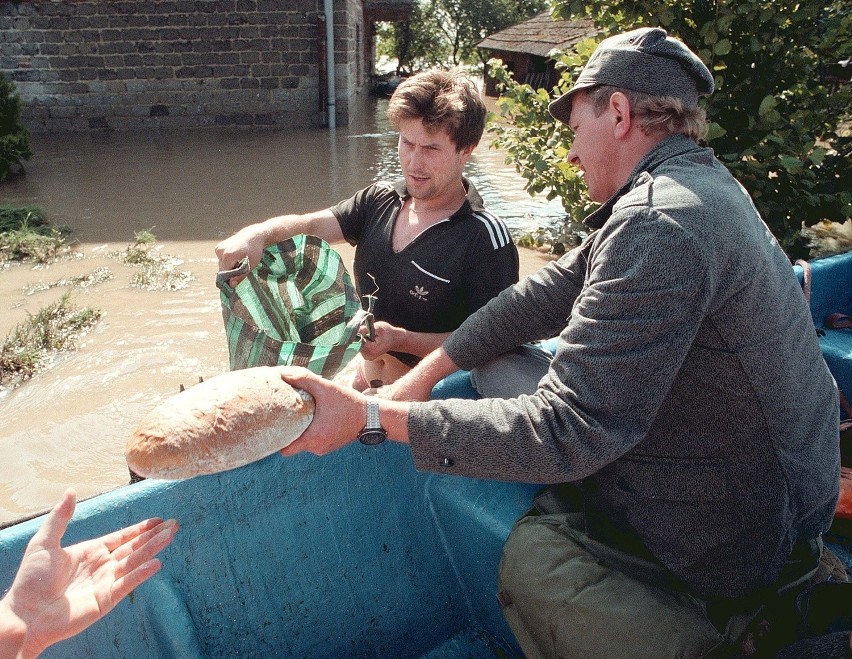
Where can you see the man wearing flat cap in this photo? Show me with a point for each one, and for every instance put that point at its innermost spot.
(688, 423)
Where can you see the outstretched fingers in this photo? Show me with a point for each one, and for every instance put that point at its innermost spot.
(145, 540)
(129, 534)
(51, 531)
(140, 564)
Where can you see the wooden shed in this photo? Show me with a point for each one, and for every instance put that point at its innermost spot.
(524, 48)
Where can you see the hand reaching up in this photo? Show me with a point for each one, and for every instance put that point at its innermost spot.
(58, 592)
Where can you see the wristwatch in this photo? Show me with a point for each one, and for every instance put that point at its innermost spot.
(373, 433)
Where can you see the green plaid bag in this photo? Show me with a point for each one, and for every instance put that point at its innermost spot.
(297, 306)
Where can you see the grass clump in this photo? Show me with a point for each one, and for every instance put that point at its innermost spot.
(97, 276)
(26, 235)
(155, 272)
(53, 329)
(14, 217)
(139, 251)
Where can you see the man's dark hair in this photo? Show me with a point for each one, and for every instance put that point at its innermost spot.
(447, 100)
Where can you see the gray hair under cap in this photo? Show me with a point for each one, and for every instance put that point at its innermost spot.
(644, 60)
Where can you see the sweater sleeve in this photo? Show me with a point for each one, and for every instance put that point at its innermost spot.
(542, 300)
(629, 331)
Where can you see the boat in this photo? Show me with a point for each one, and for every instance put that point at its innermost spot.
(355, 554)
(385, 85)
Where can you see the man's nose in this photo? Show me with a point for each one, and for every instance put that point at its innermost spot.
(572, 157)
(415, 155)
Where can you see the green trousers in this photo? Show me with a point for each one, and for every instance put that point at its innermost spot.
(560, 600)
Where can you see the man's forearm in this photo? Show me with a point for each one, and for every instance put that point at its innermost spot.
(535, 308)
(321, 223)
(420, 343)
(418, 382)
(394, 419)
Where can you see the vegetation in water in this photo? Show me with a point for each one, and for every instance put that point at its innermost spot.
(27, 235)
(155, 272)
(31, 344)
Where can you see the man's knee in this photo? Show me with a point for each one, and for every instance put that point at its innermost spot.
(512, 374)
(561, 600)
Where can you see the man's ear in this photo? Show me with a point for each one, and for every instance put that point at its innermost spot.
(620, 107)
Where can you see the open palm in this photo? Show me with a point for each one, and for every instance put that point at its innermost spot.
(59, 591)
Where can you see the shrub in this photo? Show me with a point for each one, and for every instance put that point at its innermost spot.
(779, 119)
(14, 137)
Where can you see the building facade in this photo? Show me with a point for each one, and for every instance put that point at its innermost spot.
(84, 65)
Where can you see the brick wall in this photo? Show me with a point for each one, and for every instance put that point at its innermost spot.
(81, 65)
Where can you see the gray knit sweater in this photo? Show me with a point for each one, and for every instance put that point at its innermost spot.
(688, 395)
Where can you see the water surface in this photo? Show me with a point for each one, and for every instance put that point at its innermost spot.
(68, 425)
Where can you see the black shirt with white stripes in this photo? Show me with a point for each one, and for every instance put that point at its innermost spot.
(442, 276)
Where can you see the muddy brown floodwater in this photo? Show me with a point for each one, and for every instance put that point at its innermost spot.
(68, 425)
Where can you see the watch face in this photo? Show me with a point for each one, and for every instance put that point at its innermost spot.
(372, 437)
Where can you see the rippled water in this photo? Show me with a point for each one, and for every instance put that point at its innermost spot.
(67, 426)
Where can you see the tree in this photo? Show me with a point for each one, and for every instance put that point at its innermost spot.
(415, 44)
(778, 120)
(464, 23)
(442, 32)
(14, 137)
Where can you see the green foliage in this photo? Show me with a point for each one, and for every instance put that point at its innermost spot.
(414, 44)
(778, 119)
(442, 32)
(26, 235)
(536, 143)
(15, 217)
(14, 138)
(464, 23)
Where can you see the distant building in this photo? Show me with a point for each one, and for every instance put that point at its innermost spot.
(89, 65)
(523, 48)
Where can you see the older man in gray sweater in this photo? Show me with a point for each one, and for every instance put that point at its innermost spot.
(688, 402)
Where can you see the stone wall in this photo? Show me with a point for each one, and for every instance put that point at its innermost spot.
(81, 65)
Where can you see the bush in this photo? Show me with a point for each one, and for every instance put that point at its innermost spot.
(779, 119)
(13, 218)
(14, 138)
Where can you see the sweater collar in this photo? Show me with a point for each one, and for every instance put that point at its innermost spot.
(672, 146)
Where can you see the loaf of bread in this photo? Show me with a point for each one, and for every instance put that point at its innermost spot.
(222, 423)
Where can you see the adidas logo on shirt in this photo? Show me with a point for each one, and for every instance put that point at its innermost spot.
(419, 292)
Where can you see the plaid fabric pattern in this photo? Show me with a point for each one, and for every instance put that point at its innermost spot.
(298, 306)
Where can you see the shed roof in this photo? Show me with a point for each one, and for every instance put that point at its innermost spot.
(539, 35)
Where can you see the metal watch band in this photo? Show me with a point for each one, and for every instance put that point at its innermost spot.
(373, 422)
(373, 433)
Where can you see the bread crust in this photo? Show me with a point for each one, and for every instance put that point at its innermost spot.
(225, 422)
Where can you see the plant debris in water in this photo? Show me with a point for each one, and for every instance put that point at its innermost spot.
(26, 235)
(31, 344)
(155, 272)
(97, 276)
(827, 238)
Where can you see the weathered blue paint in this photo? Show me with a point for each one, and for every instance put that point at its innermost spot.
(351, 555)
(831, 292)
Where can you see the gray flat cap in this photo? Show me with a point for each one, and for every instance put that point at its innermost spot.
(644, 60)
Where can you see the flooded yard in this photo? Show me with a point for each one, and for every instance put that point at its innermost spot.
(68, 425)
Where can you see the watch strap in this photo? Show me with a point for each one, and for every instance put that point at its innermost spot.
(373, 433)
(373, 420)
